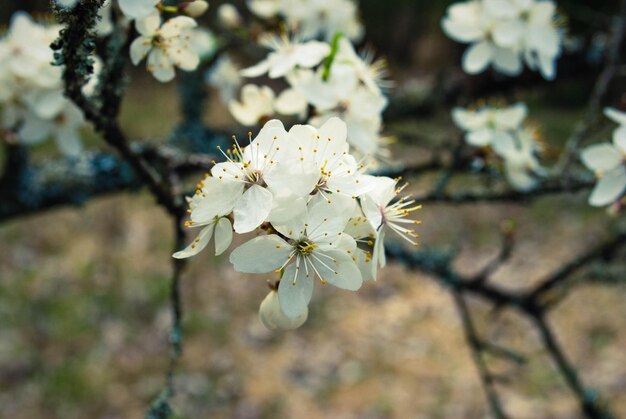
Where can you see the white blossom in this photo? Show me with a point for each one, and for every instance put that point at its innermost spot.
(313, 247)
(229, 16)
(225, 77)
(385, 211)
(260, 103)
(165, 45)
(313, 18)
(287, 55)
(489, 125)
(138, 9)
(503, 33)
(608, 162)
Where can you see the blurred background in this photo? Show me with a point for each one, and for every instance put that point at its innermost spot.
(84, 291)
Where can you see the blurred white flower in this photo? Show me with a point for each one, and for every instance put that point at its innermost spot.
(193, 8)
(203, 42)
(608, 161)
(32, 99)
(273, 317)
(287, 55)
(166, 45)
(503, 32)
(68, 4)
(519, 152)
(313, 18)
(489, 125)
(138, 9)
(225, 77)
(257, 104)
(63, 127)
(229, 16)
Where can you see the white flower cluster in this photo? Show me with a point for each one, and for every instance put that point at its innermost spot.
(349, 88)
(501, 129)
(316, 213)
(313, 18)
(505, 33)
(608, 161)
(174, 43)
(31, 87)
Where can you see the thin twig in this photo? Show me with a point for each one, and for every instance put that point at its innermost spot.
(475, 345)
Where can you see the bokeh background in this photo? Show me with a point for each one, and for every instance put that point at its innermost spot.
(84, 291)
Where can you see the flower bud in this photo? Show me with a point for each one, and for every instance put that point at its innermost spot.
(273, 317)
(194, 8)
(229, 16)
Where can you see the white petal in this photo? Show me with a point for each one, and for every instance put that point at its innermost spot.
(462, 31)
(338, 268)
(480, 138)
(379, 258)
(160, 65)
(312, 53)
(508, 33)
(619, 138)
(601, 157)
(252, 209)
(615, 115)
(197, 245)
(290, 102)
(477, 57)
(136, 9)
(177, 26)
(295, 291)
(220, 199)
(261, 254)
(223, 235)
(507, 61)
(139, 49)
(149, 23)
(256, 70)
(609, 188)
(334, 129)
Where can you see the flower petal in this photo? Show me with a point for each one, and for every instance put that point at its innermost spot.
(295, 290)
(609, 188)
(477, 57)
(252, 209)
(197, 245)
(223, 235)
(261, 254)
(601, 157)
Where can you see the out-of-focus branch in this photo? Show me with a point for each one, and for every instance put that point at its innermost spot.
(589, 402)
(476, 348)
(604, 250)
(66, 181)
(74, 48)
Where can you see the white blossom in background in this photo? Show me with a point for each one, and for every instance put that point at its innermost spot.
(259, 104)
(225, 77)
(519, 152)
(166, 45)
(306, 198)
(313, 18)
(608, 162)
(286, 56)
(501, 129)
(138, 9)
(229, 16)
(489, 125)
(31, 94)
(505, 33)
